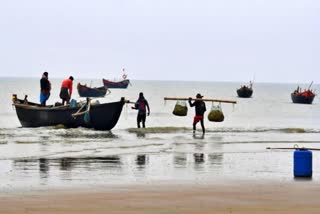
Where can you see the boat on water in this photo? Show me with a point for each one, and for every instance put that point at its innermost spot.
(94, 115)
(245, 91)
(116, 84)
(305, 97)
(85, 91)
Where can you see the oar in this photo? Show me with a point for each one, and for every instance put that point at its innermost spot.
(209, 100)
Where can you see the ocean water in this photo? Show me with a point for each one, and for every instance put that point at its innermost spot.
(167, 151)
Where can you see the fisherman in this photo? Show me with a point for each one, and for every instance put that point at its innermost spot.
(45, 87)
(142, 106)
(200, 108)
(66, 90)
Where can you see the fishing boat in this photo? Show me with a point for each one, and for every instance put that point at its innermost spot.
(98, 116)
(305, 97)
(114, 84)
(245, 91)
(85, 91)
(117, 84)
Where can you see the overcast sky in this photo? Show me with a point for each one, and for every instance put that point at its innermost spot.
(211, 40)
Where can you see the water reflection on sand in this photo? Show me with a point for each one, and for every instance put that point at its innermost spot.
(110, 169)
(51, 157)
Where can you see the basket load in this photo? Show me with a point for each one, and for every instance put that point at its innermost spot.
(180, 109)
(216, 114)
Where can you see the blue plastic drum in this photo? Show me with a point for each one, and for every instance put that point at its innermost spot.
(302, 163)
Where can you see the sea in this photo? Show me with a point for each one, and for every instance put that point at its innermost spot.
(167, 150)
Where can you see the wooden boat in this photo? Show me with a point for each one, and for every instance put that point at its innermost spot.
(120, 84)
(102, 116)
(85, 91)
(245, 92)
(305, 97)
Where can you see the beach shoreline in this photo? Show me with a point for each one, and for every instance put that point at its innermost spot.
(215, 197)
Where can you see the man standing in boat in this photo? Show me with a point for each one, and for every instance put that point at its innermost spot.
(66, 90)
(45, 87)
(200, 109)
(142, 105)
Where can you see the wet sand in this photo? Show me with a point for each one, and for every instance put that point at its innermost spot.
(220, 197)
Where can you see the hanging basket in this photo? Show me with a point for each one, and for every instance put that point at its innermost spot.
(216, 114)
(180, 109)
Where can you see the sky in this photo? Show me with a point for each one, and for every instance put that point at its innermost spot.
(189, 40)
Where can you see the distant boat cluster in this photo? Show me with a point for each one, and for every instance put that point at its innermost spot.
(298, 96)
(85, 91)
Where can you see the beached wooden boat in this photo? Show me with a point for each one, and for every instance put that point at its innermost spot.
(120, 84)
(305, 97)
(85, 91)
(99, 116)
(245, 92)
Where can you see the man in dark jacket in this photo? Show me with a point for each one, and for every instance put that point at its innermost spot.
(142, 106)
(200, 109)
(45, 87)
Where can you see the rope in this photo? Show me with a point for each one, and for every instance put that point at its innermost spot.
(79, 113)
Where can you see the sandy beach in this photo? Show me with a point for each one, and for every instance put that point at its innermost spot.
(226, 197)
(164, 168)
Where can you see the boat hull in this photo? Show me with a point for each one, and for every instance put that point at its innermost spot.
(105, 116)
(85, 91)
(45, 116)
(298, 98)
(121, 84)
(245, 92)
(102, 116)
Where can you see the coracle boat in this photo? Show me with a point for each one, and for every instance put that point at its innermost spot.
(120, 84)
(85, 91)
(305, 97)
(98, 116)
(245, 91)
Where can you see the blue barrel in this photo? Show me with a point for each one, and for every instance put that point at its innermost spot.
(302, 163)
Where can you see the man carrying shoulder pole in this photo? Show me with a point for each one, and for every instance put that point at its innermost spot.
(200, 108)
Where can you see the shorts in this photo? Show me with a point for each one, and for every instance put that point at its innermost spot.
(197, 118)
(64, 94)
(44, 97)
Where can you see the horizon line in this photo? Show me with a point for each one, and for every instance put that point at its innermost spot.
(171, 80)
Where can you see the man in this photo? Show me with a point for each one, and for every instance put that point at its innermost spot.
(200, 109)
(66, 90)
(142, 105)
(45, 87)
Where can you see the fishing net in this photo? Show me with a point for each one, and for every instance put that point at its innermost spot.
(180, 109)
(216, 114)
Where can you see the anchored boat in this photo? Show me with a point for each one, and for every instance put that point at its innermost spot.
(304, 97)
(120, 84)
(245, 91)
(85, 91)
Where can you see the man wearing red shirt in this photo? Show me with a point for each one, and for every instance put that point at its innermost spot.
(66, 90)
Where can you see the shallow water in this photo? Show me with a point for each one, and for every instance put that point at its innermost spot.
(166, 151)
